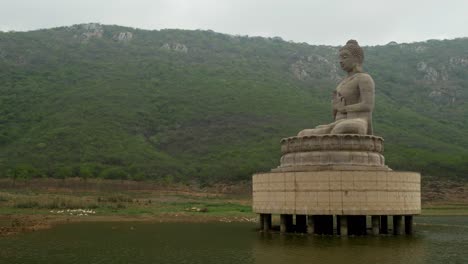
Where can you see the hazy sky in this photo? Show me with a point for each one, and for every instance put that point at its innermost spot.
(371, 22)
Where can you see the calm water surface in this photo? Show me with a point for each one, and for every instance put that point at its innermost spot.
(437, 240)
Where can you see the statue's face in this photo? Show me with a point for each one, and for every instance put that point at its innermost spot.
(347, 61)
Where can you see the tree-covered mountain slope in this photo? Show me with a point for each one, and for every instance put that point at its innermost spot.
(114, 102)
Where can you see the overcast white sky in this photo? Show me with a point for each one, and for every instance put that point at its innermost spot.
(371, 22)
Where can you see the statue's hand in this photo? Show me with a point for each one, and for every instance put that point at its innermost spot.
(338, 104)
(341, 108)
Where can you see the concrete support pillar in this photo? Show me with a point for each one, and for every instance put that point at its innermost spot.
(375, 224)
(266, 222)
(310, 224)
(285, 223)
(398, 225)
(301, 223)
(408, 224)
(342, 225)
(261, 222)
(383, 224)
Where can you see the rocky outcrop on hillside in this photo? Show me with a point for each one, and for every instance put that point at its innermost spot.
(431, 74)
(178, 47)
(441, 89)
(314, 67)
(458, 61)
(91, 30)
(123, 36)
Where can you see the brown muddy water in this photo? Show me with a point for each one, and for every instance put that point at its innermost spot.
(441, 239)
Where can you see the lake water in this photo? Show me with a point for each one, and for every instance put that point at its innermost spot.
(436, 240)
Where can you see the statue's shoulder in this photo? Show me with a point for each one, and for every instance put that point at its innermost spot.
(364, 76)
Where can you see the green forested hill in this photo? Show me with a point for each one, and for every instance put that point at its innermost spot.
(177, 105)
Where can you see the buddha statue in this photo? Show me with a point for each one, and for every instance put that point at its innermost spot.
(353, 99)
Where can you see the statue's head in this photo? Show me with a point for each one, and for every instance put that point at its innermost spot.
(351, 56)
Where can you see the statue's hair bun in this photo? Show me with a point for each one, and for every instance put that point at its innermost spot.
(353, 47)
(352, 42)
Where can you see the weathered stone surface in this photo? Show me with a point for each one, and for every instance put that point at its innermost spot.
(353, 99)
(332, 142)
(337, 193)
(332, 152)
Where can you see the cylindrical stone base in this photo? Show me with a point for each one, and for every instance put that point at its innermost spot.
(337, 192)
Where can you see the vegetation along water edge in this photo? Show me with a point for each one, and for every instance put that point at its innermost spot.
(32, 205)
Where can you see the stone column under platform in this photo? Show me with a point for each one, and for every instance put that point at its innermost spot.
(375, 224)
(310, 224)
(266, 226)
(345, 225)
(398, 226)
(286, 223)
(408, 224)
(261, 221)
(342, 225)
(383, 224)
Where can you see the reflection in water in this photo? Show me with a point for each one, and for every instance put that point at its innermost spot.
(132, 243)
(277, 248)
(437, 240)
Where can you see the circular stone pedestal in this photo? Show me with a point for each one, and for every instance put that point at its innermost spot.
(337, 193)
(332, 152)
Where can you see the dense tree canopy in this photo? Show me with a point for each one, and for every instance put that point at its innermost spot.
(178, 105)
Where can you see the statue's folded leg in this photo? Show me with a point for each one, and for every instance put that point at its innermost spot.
(319, 130)
(351, 126)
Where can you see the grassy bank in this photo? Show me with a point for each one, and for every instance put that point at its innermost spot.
(445, 209)
(28, 206)
(37, 204)
(125, 198)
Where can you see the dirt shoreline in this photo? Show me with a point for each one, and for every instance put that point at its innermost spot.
(16, 224)
(30, 223)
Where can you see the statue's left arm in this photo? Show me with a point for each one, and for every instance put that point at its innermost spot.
(366, 90)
